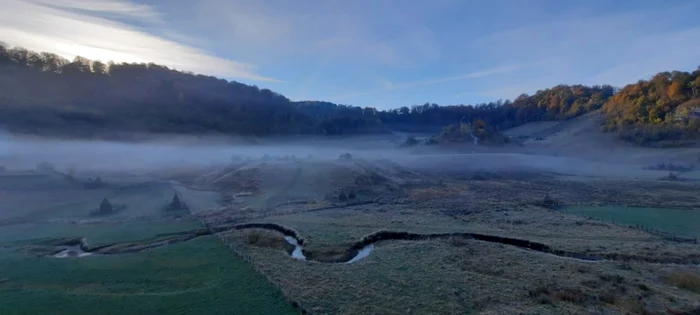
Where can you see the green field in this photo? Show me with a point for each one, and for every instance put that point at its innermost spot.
(201, 276)
(681, 222)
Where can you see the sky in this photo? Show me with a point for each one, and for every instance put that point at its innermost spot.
(376, 53)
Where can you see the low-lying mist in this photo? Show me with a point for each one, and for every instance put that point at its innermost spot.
(183, 151)
(26, 153)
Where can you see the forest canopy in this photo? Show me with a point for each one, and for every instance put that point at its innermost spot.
(664, 108)
(43, 93)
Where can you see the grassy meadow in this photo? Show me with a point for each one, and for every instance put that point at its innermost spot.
(198, 277)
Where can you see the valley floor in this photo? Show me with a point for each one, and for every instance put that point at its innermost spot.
(146, 256)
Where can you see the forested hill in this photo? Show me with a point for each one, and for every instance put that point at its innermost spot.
(665, 108)
(46, 94)
(558, 103)
(42, 93)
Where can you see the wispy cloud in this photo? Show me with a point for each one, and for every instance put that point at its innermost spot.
(340, 48)
(390, 86)
(608, 48)
(124, 8)
(346, 31)
(68, 29)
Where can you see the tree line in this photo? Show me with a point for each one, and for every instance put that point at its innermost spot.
(663, 110)
(43, 93)
(558, 103)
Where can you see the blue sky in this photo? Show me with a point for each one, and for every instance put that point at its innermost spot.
(380, 53)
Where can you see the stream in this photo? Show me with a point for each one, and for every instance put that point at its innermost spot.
(72, 251)
(77, 247)
(362, 253)
(298, 249)
(298, 252)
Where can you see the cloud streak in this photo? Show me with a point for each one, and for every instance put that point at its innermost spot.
(390, 86)
(345, 31)
(122, 8)
(68, 29)
(608, 48)
(336, 49)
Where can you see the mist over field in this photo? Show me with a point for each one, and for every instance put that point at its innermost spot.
(178, 151)
(23, 153)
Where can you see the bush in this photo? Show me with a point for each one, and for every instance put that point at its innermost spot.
(97, 183)
(262, 238)
(547, 295)
(548, 202)
(458, 241)
(616, 279)
(684, 279)
(671, 176)
(655, 135)
(106, 206)
(342, 196)
(410, 141)
(176, 204)
(451, 133)
(635, 306)
(609, 297)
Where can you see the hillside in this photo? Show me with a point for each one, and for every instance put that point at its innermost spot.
(44, 94)
(663, 111)
(582, 138)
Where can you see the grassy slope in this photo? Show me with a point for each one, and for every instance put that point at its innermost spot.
(52, 197)
(196, 277)
(583, 138)
(198, 200)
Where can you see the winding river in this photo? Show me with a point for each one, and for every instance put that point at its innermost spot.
(298, 252)
(355, 252)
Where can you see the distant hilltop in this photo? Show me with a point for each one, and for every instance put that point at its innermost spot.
(45, 94)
